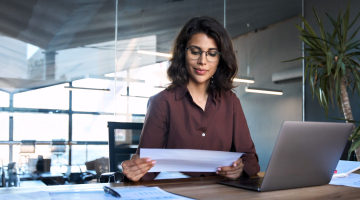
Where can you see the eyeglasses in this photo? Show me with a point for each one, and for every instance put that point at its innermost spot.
(195, 53)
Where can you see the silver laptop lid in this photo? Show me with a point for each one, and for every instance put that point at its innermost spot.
(305, 154)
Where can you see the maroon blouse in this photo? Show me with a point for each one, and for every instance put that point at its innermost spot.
(175, 121)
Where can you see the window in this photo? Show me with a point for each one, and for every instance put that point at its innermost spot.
(43, 150)
(96, 101)
(4, 99)
(38, 126)
(82, 154)
(4, 155)
(4, 126)
(53, 97)
(91, 127)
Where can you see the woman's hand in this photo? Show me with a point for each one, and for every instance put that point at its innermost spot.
(231, 172)
(136, 167)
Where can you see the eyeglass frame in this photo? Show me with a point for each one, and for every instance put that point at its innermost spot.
(201, 52)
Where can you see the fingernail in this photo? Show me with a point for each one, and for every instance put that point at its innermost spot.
(234, 164)
(219, 169)
(153, 162)
(148, 160)
(217, 172)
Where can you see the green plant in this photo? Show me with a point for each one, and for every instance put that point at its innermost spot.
(331, 65)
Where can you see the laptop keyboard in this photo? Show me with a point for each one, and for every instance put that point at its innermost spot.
(255, 182)
(248, 183)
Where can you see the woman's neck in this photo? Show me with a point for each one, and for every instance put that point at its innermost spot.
(199, 92)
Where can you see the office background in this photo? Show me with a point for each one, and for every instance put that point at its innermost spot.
(48, 46)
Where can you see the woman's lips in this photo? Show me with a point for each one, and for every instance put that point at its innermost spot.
(200, 71)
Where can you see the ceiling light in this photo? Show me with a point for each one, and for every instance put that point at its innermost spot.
(244, 80)
(81, 88)
(263, 91)
(154, 53)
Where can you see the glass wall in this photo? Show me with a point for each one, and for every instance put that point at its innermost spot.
(54, 56)
(69, 67)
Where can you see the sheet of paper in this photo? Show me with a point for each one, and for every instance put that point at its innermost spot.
(127, 193)
(27, 196)
(147, 193)
(188, 160)
(346, 167)
(353, 180)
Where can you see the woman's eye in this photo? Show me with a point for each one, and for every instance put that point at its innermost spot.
(212, 54)
(195, 52)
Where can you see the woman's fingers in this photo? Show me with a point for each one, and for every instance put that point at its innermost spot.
(234, 171)
(237, 162)
(134, 169)
(132, 162)
(142, 168)
(236, 165)
(230, 172)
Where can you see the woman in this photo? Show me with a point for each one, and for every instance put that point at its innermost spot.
(198, 110)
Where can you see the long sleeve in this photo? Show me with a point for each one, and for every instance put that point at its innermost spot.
(155, 128)
(242, 140)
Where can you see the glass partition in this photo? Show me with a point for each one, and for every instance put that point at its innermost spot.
(53, 60)
(67, 68)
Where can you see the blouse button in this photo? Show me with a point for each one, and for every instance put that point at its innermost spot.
(203, 134)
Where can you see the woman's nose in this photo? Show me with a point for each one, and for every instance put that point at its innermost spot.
(202, 60)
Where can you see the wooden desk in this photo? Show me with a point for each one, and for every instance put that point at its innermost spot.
(207, 188)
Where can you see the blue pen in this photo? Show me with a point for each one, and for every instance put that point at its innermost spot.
(111, 191)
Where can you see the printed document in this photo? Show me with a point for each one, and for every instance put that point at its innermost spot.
(127, 193)
(189, 160)
(344, 168)
(352, 180)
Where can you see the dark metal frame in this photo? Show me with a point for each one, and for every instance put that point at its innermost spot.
(112, 150)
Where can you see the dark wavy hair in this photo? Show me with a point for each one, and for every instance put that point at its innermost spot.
(227, 67)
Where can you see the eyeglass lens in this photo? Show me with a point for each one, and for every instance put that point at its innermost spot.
(195, 53)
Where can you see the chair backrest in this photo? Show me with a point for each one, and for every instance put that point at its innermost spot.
(58, 146)
(27, 146)
(123, 141)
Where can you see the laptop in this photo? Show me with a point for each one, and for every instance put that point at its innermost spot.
(305, 154)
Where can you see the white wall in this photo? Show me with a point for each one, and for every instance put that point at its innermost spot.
(265, 114)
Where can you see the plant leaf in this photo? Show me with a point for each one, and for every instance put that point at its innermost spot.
(346, 24)
(329, 62)
(299, 58)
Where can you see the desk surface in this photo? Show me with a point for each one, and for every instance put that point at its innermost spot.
(207, 188)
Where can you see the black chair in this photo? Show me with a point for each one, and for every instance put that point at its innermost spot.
(123, 141)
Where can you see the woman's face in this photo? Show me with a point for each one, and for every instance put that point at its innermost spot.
(201, 70)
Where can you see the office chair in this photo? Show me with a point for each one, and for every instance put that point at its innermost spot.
(123, 141)
(27, 148)
(58, 148)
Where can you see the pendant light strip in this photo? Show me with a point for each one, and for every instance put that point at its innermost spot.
(90, 89)
(154, 53)
(263, 91)
(244, 80)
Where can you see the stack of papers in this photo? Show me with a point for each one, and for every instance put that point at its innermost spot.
(189, 160)
(344, 168)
